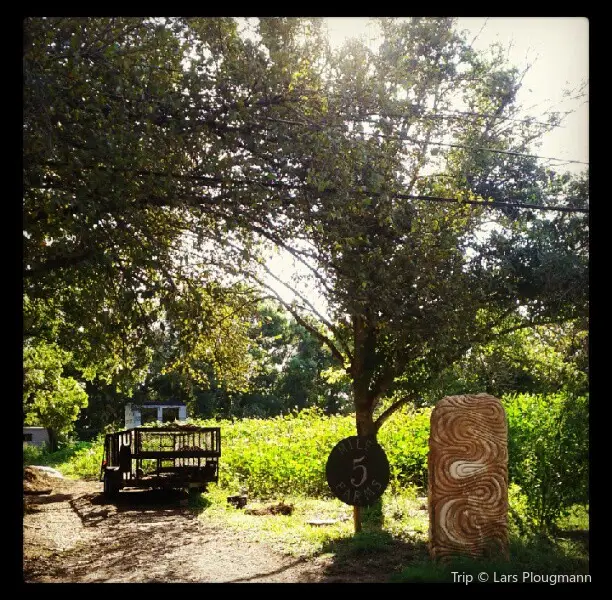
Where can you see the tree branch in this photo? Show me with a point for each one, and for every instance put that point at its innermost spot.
(320, 336)
(389, 411)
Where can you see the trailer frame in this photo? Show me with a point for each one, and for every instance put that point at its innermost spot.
(174, 456)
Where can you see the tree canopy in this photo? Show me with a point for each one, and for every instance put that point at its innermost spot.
(164, 156)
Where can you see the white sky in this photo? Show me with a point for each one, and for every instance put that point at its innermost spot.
(558, 45)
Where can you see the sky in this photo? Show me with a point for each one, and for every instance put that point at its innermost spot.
(558, 47)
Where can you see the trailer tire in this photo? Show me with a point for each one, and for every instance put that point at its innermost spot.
(111, 484)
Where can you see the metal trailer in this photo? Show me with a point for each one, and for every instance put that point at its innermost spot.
(176, 456)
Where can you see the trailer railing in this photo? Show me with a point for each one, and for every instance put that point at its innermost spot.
(161, 456)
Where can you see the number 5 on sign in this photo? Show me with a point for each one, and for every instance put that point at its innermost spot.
(364, 471)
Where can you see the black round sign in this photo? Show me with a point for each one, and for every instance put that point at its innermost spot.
(357, 470)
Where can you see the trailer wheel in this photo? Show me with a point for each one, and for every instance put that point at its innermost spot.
(195, 491)
(111, 484)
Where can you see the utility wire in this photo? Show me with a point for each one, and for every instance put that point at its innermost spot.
(216, 181)
(493, 203)
(404, 138)
(452, 114)
(509, 152)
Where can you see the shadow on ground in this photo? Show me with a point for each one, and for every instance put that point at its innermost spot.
(135, 505)
(370, 557)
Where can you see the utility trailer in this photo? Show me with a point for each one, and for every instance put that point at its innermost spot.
(176, 456)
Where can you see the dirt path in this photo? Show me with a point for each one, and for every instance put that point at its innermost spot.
(74, 535)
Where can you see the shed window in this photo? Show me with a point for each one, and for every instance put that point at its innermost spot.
(148, 415)
(170, 414)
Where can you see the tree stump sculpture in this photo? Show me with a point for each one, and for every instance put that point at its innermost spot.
(468, 477)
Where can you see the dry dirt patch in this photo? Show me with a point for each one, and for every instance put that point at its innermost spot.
(73, 535)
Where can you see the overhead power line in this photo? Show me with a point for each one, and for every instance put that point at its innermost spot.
(493, 203)
(404, 138)
(417, 114)
(216, 181)
(509, 152)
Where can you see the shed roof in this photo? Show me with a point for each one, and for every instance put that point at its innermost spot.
(168, 404)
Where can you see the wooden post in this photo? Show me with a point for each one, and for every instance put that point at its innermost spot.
(357, 518)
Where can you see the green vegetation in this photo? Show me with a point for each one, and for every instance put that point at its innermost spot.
(79, 460)
(287, 454)
(167, 158)
(285, 457)
(50, 399)
(528, 555)
(549, 454)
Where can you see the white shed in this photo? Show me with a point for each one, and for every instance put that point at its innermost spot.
(35, 436)
(165, 412)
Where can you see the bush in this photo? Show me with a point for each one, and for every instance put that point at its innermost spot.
(548, 447)
(35, 455)
(85, 461)
(288, 454)
(78, 459)
(282, 455)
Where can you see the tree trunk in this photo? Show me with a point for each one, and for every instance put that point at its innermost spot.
(365, 426)
(365, 421)
(52, 440)
(361, 372)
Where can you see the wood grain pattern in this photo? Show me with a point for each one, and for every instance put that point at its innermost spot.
(468, 477)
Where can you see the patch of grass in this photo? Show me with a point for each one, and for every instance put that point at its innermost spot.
(527, 555)
(368, 542)
(404, 525)
(198, 502)
(294, 535)
(290, 534)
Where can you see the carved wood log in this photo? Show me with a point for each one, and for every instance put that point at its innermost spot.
(468, 477)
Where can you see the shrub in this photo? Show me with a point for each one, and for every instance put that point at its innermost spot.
(35, 455)
(548, 454)
(288, 454)
(78, 459)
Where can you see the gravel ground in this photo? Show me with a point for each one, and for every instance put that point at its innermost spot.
(72, 534)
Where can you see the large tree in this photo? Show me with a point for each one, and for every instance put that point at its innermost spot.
(375, 169)
(402, 156)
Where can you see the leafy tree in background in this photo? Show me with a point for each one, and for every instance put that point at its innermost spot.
(164, 153)
(287, 371)
(51, 399)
